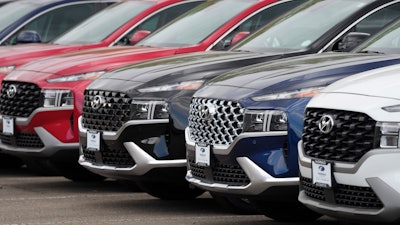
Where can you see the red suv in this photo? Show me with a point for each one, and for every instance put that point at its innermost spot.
(123, 23)
(42, 101)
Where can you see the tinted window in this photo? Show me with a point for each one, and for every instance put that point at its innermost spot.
(258, 20)
(56, 21)
(104, 23)
(197, 25)
(160, 19)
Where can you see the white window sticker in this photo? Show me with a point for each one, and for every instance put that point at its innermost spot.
(8, 125)
(203, 155)
(93, 140)
(321, 173)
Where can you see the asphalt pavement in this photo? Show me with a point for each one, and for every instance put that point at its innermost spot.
(27, 198)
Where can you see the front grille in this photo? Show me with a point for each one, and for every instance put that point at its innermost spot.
(351, 137)
(27, 98)
(221, 173)
(111, 115)
(22, 140)
(111, 154)
(344, 195)
(213, 121)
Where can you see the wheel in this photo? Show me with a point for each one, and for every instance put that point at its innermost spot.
(170, 191)
(286, 211)
(76, 172)
(241, 206)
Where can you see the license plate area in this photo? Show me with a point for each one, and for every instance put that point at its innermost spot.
(322, 173)
(93, 140)
(202, 156)
(8, 125)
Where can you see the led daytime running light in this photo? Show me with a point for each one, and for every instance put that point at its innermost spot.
(301, 93)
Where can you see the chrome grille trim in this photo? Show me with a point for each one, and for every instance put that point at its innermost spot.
(109, 118)
(216, 122)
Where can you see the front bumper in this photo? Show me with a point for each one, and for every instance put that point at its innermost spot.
(372, 186)
(143, 160)
(35, 137)
(254, 179)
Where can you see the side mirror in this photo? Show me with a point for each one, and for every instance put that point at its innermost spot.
(353, 39)
(239, 36)
(28, 36)
(138, 35)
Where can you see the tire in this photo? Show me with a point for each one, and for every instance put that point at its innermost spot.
(286, 211)
(170, 191)
(76, 173)
(236, 205)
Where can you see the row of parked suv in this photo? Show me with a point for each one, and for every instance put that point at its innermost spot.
(218, 100)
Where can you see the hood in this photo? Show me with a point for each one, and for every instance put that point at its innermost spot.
(178, 68)
(382, 82)
(20, 54)
(315, 70)
(106, 58)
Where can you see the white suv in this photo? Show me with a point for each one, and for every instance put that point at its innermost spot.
(349, 155)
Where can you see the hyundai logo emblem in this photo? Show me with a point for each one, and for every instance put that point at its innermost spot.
(207, 111)
(11, 91)
(321, 168)
(326, 124)
(97, 102)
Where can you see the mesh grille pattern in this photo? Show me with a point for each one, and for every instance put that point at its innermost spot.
(109, 155)
(214, 121)
(111, 116)
(221, 173)
(345, 195)
(22, 140)
(351, 137)
(27, 98)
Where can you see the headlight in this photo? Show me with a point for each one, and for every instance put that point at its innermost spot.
(6, 69)
(264, 121)
(186, 85)
(146, 110)
(389, 134)
(57, 98)
(301, 93)
(76, 77)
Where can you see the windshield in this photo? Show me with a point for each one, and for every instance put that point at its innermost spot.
(197, 25)
(303, 27)
(12, 12)
(386, 42)
(104, 23)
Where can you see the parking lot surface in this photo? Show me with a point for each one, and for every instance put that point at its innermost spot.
(30, 199)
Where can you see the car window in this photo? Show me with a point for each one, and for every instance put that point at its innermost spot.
(104, 23)
(306, 25)
(160, 19)
(372, 24)
(11, 12)
(58, 20)
(197, 25)
(256, 21)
